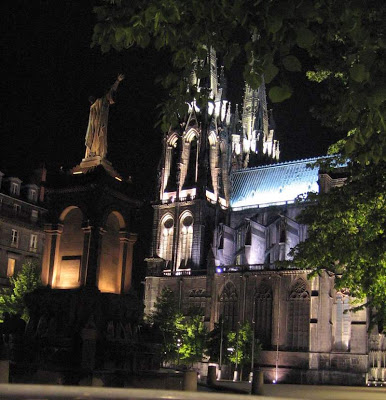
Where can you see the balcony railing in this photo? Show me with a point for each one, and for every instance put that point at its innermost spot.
(23, 215)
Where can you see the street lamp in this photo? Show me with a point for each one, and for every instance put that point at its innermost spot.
(179, 344)
(221, 345)
(236, 373)
(253, 341)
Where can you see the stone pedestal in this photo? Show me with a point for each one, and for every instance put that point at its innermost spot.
(257, 383)
(211, 379)
(190, 381)
(4, 371)
(89, 336)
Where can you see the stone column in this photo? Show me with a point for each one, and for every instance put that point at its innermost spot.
(127, 242)
(91, 255)
(51, 253)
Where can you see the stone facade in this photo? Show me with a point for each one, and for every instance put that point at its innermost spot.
(220, 228)
(22, 216)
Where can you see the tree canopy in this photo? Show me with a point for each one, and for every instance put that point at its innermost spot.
(339, 45)
(347, 236)
(25, 281)
(343, 42)
(166, 319)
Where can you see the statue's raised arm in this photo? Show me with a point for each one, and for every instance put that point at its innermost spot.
(96, 135)
(111, 93)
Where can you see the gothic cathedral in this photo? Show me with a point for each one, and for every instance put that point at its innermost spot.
(225, 214)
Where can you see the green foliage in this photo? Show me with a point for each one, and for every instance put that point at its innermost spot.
(25, 281)
(241, 343)
(167, 319)
(193, 336)
(347, 236)
(344, 42)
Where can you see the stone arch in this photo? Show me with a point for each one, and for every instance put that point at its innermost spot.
(189, 159)
(298, 318)
(172, 139)
(66, 211)
(185, 242)
(190, 135)
(212, 138)
(228, 304)
(172, 149)
(110, 265)
(118, 214)
(165, 238)
(67, 270)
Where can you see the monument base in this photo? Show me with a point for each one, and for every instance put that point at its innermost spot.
(90, 163)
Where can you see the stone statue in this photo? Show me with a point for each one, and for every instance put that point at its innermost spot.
(96, 136)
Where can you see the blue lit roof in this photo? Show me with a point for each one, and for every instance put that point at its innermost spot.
(273, 184)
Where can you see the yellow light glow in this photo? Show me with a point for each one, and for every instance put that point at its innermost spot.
(118, 178)
(77, 173)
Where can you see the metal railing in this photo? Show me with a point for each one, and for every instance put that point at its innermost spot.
(20, 214)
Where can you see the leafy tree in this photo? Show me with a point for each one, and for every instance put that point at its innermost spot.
(344, 43)
(339, 46)
(25, 281)
(241, 343)
(347, 236)
(193, 336)
(166, 318)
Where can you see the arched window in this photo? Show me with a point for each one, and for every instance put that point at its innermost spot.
(229, 306)
(191, 173)
(341, 320)
(298, 316)
(171, 164)
(185, 241)
(166, 238)
(263, 315)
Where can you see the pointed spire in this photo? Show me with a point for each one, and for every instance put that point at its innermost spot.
(223, 83)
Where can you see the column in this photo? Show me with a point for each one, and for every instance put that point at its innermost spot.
(127, 242)
(91, 255)
(50, 263)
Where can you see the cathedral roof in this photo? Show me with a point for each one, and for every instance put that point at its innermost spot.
(273, 184)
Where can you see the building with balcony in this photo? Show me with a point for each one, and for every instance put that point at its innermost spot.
(22, 215)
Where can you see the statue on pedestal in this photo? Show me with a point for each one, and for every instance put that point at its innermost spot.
(96, 136)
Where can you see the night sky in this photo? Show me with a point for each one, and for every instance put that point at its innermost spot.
(50, 72)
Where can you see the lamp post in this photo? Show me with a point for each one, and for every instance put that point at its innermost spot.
(253, 342)
(179, 343)
(236, 373)
(221, 345)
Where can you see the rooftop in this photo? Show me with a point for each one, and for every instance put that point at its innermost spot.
(273, 184)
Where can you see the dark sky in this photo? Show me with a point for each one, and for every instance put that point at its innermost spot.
(50, 71)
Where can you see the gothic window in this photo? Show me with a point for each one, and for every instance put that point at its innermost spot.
(191, 174)
(298, 316)
(229, 306)
(166, 238)
(263, 315)
(341, 322)
(185, 241)
(171, 167)
(196, 301)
